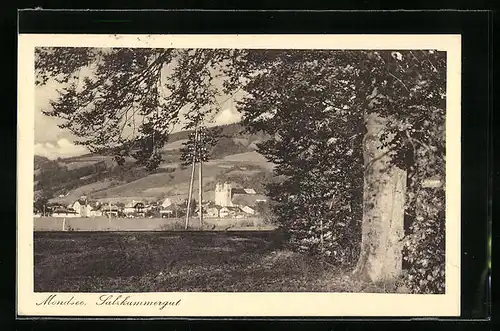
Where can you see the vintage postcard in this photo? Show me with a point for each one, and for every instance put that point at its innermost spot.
(238, 175)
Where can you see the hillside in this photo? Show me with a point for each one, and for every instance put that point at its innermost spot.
(234, 159)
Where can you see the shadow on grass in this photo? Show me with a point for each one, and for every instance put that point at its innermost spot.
(159, 262)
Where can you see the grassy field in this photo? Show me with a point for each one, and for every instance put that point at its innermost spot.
(163, 262)
(145, 224)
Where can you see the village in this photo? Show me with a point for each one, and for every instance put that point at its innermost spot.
(229, 202)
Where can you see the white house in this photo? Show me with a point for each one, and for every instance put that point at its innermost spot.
(166, 213)
(248, 210)
(110, 211)
(134, 207)
(214, 211)
(82, 207)
(227, 196)
(166, 203)
(230, 212)
(95, 213)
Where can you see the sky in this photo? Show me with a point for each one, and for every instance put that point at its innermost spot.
(53, 142)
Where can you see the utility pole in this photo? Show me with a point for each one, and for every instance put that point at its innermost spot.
(200, 188)
(190, 195)
(200, 175)
(192, 179)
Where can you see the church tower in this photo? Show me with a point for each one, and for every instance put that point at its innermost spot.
(223, 195)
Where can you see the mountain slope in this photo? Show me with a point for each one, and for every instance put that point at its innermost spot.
(234, 159)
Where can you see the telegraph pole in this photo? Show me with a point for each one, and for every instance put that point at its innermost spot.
(192, 179)
(200, 186)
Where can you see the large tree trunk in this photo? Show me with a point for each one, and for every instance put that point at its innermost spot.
(383, 208)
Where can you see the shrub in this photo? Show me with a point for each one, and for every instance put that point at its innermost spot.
(171, 226)
(425, 245)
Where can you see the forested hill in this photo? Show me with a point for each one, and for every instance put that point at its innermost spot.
(235, 130)
(232, 131)
(234, 156)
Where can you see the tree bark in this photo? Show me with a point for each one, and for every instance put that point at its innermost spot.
(383, 208)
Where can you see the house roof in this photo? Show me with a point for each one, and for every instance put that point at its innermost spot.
(211, 204)
(105, 208)
(83, 200)
(134, 203)
(56, 206)
(64, 210)
(177, 199)
(171, 207)
(238, 190)
(231, 208)
(167, 202)
(248, 199)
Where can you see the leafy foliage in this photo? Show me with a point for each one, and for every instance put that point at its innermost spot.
(41, 200)
(312, 144)
(126, 101)
(197, 148)
(409, 88)
(311, 104)
(306, 99)
(193, 205)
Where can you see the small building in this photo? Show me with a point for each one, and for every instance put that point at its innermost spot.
(166, 203)
(227, 196)
(64, 212)
(135, 208)
(250, 200)
(110, 211)
(140, 209)
(95, 213)
(82, 207)
(230, 212)
(248, 210)
(129, 209)
(166, 213)
(214, 211)
(148, 208)
(167, 209)
(249, 191)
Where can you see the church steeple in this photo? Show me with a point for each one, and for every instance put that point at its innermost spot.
(223, 194)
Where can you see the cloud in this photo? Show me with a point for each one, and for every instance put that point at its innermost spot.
(227, 116)
(62, 148)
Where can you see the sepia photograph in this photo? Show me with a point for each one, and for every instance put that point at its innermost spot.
(240, 169)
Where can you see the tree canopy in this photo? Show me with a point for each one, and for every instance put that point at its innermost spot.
(314, 106)
(125, 101)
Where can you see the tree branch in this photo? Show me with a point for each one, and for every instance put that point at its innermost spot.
(399, 80)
